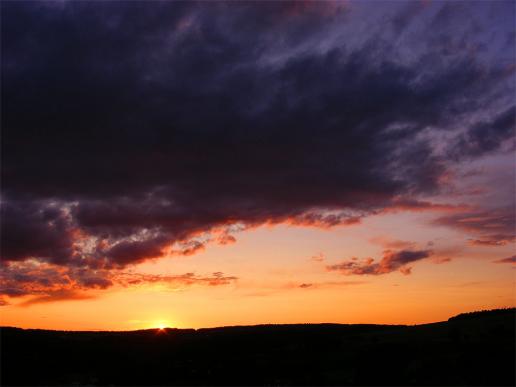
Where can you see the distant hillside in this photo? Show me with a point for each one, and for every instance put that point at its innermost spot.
(483, 313)
(475, 350)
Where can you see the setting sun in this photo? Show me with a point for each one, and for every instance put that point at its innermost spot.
(161, 325)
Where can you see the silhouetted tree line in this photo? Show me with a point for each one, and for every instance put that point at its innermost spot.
(477, 351)
(492, 312)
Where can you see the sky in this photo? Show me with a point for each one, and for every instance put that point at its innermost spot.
(200, 164)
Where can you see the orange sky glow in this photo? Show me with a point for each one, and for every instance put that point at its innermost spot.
(282, 278)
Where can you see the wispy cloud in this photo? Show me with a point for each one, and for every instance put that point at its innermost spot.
(508, 260)
(390, 261)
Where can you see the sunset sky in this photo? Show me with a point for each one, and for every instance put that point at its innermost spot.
(226, 163)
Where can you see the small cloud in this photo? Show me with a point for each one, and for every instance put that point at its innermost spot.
(59, 295)
(326, 284)
(489, 227)
(174, 281)
(492, 240)
(440, 260)
(324, 220)
(318, 258)
(391, 261)
(190, 248)
(413, 205)
(406, 270)
(226, 239)
(388, 243)
(510, 260)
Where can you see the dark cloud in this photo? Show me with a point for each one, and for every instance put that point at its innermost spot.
(132, 129)
(193, 247)
(42, 279)
(494, 227)
(50, 282)
(439, 254)
(485, 137)
(407, 14)
(391, 261)
(506, 260)
(35, 229)
(89, 279)
(132, 251)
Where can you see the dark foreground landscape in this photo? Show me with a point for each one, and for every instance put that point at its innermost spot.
(469, 349)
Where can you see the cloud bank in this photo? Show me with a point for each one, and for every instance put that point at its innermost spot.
(132, 131)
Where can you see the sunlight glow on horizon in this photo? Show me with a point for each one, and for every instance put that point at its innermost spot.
(271, 263)
(161, 325)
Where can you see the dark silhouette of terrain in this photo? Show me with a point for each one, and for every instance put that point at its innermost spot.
(470, 349)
